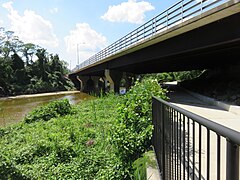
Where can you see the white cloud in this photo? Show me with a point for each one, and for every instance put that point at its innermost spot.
(54, 10)
(88, 40)
(131, 11)
(31, 27)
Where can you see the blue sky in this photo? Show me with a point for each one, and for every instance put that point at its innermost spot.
(62, 25)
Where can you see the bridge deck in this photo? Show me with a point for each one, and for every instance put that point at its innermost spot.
(151, 51)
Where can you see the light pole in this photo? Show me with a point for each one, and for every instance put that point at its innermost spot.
(78, 54)
(77, 57)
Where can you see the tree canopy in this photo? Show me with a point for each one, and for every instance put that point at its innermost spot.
(26, 68)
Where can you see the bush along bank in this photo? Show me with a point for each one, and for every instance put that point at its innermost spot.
(132, 131)
(97, 139)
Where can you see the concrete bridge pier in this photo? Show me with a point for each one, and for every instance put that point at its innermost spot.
(75, 80)
(83, 82)
(90, 84)
(114, 79)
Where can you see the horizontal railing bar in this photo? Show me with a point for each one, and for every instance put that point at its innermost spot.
(169, 19)
(174, 10)
(177, 20)
(194, 12)
(226, 132)
(191, 7)
(188, 3)
(210, 4)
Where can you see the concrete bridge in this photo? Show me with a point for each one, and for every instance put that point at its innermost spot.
(191, 34)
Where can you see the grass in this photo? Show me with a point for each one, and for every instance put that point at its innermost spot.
(70, 147)
(97, 139)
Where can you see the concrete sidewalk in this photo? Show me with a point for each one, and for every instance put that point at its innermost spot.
(214, 111)
(206, 107)
(219, 112)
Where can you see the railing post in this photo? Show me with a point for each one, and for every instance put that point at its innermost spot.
(167, 19)
(232, 166)
(163, 143)
(182, 11)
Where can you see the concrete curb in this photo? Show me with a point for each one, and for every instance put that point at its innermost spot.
(228, 107)
(153, 173)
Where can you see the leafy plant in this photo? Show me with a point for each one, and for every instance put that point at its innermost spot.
(51, 110)
(133, 131)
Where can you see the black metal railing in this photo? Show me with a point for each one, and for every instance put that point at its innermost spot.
(175, 15)
(188, 146)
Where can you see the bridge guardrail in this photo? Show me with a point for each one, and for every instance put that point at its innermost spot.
(188, 146)
(175, 15)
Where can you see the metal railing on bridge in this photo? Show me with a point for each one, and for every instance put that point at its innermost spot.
(188, 146)
(175, 15)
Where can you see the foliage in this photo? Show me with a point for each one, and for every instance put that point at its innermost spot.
(141, 164)
(21, 74)
(100, 140)
(133, 131)
(176, 76)
(75, 146)
(51, 110)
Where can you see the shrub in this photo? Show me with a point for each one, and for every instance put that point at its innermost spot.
(53, 109)
(133, 131)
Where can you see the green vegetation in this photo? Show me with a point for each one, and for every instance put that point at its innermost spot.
(101, 138)
(52, 110)
(133, 131)
(27, 68)
(176, 76)
(74, 146)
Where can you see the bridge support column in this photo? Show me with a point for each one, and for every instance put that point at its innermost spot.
(90, 84)
(83, 82)
(96, 84)
(114, 78)
(76, 82)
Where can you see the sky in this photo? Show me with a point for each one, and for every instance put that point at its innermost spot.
(76, 29)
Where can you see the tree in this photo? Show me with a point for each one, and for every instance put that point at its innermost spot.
(19, 73)
(28, 50)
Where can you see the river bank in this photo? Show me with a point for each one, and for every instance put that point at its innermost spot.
(75, 146)
(14, 108)
(39, 95)
(101, 138)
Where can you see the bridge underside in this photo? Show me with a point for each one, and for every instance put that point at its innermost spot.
(213, 45)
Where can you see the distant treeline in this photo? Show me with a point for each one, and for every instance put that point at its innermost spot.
(26, 68)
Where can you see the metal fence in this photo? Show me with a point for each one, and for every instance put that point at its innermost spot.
(175, 15)
(188, 146)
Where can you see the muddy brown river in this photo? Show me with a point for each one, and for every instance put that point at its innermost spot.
(13, 109)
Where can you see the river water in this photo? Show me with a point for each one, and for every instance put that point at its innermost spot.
(13, 109)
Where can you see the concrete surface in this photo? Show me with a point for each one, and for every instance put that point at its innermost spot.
(206, 107)
(214, 111)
